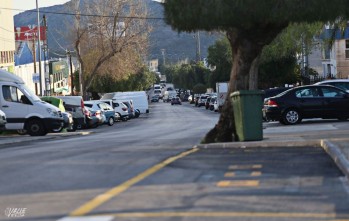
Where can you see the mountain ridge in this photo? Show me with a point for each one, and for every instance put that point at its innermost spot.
(177, 46)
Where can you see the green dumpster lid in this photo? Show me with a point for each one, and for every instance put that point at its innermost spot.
(54, 101)
(247, 92)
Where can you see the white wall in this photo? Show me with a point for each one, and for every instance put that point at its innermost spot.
(26, 73)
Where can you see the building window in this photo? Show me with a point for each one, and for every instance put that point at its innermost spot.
(347, 49)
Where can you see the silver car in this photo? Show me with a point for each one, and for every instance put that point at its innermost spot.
(340, 83)
(3, 120)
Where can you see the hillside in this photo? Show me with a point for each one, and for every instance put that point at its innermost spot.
(177, 45)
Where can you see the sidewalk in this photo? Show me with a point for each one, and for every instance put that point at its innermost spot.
(334, 141)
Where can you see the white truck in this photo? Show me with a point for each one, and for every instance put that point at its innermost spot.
(168, 95)
(162, 78)
(222, 91)
(139, 99)
(24, 110)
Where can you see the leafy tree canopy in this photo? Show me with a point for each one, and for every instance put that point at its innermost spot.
(219, 58)
(289, 41)
(191, 15)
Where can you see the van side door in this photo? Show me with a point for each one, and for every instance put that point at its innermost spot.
(15, 105)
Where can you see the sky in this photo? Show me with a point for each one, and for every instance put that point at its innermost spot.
(31, 4)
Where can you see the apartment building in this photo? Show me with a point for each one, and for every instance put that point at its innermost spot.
(7, 37)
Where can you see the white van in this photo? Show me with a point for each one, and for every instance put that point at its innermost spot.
(24, 110)
(139, 99)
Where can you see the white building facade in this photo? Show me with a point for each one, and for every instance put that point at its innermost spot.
(7, 37)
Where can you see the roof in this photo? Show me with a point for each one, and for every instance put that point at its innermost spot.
(25, 56)
(9, 77)
(338, 34)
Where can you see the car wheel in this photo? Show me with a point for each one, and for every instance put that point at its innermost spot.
(291, 116)
(111, 121)
(22, 132)
(36, 128)
(137, 113)
(57, 130)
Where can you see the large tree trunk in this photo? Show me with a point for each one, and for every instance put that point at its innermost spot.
(246, 49)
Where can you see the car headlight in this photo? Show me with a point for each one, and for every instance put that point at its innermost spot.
(53, 113)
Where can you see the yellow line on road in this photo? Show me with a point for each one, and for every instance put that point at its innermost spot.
(102, 198)
(245, 167)
(256, 173)
(229, 174)
(230, 214)
(238, 183)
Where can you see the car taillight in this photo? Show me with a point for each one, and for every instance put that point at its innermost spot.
(124, 109)
(272, 103)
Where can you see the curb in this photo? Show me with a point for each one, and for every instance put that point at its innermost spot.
(261, 144)
(46, 137)
(336, 154)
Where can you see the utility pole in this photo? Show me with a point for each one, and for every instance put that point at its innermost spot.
(34, 62)
(45, 49)
(163, 56)
(39, 46)
(77, 47)
(198, 47)
(71, 73)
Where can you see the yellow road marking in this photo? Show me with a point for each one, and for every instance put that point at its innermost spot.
(229, 214)
(229, 174)
(238, 183)
(256, 173)
(245, 167)
(233, 174)
(102, 198)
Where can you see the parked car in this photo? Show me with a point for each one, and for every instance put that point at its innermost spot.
(196, 100)
(271, 92)
(75, 106)
(2, 121)
(131, 110)
(94, 118)
(202, 100)
(176, 100)
(105, 109)
(207, 103)
(340, 83)
(120, 108)
(190, 98)
(67, 116)
(185, 97)
(213, 100)
(68, 122)
(155, 98)
(312, 101)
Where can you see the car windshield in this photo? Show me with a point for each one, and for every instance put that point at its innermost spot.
(31, 94)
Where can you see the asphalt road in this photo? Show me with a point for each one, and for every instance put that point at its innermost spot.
(147, 169)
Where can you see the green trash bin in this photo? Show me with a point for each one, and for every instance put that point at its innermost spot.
(247, 106)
